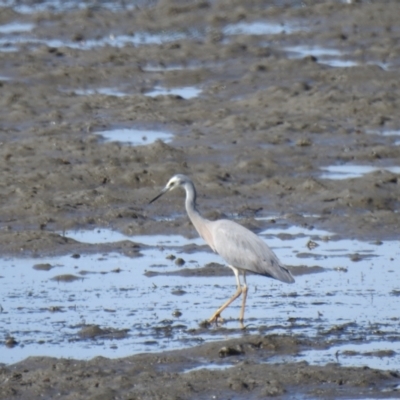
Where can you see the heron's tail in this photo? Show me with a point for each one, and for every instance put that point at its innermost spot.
(284, 275)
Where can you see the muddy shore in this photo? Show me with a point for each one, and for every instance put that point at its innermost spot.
(248, 368)
(256, 139)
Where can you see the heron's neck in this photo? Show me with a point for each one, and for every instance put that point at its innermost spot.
(190, 204)
(191, 197)
(201, 224)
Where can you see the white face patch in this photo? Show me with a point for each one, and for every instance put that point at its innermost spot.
(173, 183)
(176, 181)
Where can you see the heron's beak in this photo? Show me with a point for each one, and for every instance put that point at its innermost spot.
(165, 190)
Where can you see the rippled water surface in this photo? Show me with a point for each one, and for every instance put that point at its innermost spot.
(357, 297)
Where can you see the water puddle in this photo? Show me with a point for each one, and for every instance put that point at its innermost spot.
(5, 47)
(160, 308)
(373, 355)
(353, 171)
(16, 27)
(297, 231)
(135, 137)
(7, 41)
(59, 6)
(210, 367)
(178, 67)
(163, 68)
(102, 91)
(258, 28)
(188, 92)
(138, 39)
(387, 133)
(337, 63)
(105, 235)
(331, 57)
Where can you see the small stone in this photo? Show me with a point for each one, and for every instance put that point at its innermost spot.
(176, 314)
(178, 292)
(230, 351)
(11, 342)
(312, 245)
(179, 262)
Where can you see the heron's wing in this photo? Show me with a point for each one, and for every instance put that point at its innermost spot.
(243, 249)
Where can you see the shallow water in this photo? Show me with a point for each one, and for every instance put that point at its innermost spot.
(15, 36)
(258, 28)
(353, 171)
(165, 68)
(187, 92)
(139, 39)
(358, 292)
(328, 56)
(15, 26)
(136, 137)
(210, 367)
(387, 132)
(369, 354)
(103, 91)
(58, 6)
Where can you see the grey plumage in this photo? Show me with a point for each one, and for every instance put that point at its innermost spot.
(243, 250)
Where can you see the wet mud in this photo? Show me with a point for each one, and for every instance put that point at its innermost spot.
(235, 369)
(284, 113)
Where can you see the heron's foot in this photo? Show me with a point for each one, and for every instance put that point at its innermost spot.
(216, 318)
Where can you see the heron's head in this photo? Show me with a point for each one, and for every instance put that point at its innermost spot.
(176, 181)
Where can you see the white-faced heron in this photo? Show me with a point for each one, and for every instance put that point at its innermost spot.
(240, 248)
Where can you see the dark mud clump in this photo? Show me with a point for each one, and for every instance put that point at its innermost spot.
(66, 278)
(94, 331)
(43, 267)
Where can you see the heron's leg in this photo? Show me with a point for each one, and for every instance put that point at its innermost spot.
(244, 293)
(217, 313)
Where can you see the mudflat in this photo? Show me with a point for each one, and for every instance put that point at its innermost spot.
(285, 108)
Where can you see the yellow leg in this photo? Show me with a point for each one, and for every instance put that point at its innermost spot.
(217, 313)
(244, 292)
(240, 290)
